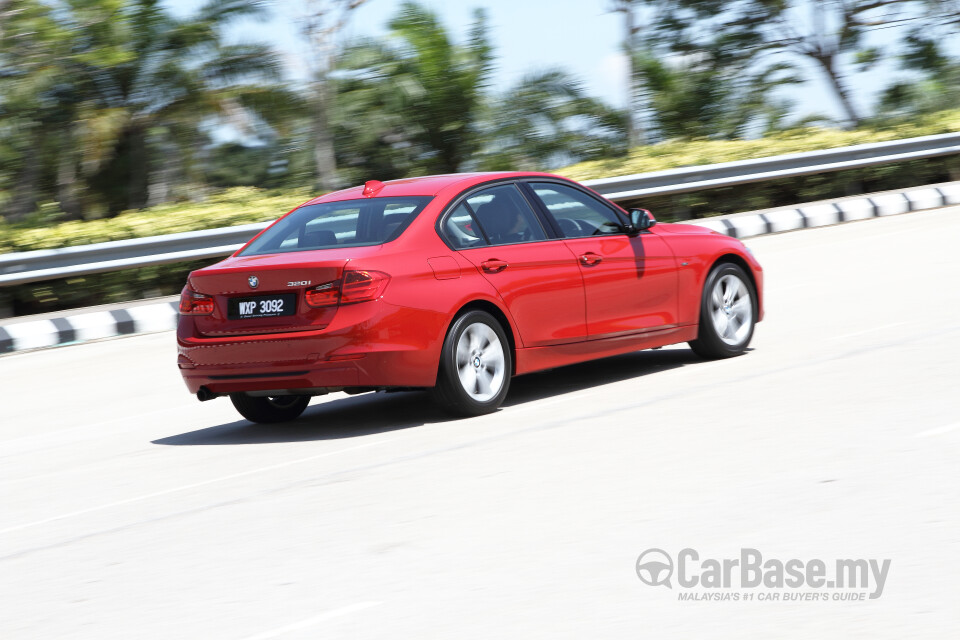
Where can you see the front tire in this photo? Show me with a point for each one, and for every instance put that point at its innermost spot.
(475, 366)
(727, 313)
(266, 410)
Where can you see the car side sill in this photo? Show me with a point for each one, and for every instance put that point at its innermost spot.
(539, 358)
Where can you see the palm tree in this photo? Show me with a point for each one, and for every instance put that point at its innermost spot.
(547, 121)
(415, 103)
(428, 90)
(181, 76)
(706, 94)
(937, 89)
(35, 100)
(119, 91)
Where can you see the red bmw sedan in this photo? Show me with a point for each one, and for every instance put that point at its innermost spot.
(454, 283)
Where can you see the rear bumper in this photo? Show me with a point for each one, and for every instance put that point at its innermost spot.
(379, 370)
(366, 345)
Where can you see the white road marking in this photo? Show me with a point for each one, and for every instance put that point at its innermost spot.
(185, 487)
(939, 431)
(871, 330)
(309, 622)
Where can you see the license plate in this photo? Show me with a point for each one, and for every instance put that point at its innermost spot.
(284, 304)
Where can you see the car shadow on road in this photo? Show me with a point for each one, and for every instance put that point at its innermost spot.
(372, 413)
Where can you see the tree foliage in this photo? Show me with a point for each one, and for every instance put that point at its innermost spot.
(938, 85)
(111, 105)
(423, 93)
(418, 103)
(829, 34)
(547, 121)
(113, 97)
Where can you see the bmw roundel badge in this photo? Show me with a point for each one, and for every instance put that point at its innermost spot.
(254, 282)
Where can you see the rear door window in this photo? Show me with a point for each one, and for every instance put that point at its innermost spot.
(504, 216)
(461, 230)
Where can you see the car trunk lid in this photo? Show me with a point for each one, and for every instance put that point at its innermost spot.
(265, 294)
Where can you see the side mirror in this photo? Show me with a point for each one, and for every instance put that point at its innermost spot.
(641, 219)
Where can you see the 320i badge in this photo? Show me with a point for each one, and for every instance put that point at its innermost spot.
(454, 283)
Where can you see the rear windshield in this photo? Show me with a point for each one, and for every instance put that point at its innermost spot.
(348, 223)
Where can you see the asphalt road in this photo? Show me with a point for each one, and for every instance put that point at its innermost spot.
(130, 510)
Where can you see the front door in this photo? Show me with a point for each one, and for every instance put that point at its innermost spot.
(630, 282)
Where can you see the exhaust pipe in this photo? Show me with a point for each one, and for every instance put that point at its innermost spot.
(204, 394)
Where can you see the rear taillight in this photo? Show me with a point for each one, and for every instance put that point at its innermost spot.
(360, 286)
(195, 304)
(354, 286)
(325, 295)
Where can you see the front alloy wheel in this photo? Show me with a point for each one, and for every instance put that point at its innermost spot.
(727, 314)
(731, 310)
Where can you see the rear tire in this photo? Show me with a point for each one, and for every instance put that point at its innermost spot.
(266, 410)
(727, 313)
(475, 366)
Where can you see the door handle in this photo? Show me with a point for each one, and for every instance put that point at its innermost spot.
(493, 266)
(589, 259)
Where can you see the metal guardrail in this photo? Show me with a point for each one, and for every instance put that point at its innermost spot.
(34, 266)
(727, 174)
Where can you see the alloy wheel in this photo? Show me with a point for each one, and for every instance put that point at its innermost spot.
(481, 365)
(731, 309)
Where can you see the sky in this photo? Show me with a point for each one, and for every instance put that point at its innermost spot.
(580, 36)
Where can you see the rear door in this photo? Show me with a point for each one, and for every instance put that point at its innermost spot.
(537, 277)
(630, 282)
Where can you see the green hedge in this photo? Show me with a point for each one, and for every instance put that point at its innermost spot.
(242, 205)
(245, 205)
(239, 205)
(778, 193)
(683, 153)
(787, 192)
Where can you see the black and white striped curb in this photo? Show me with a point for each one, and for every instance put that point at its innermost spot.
(85, 325)
(820, 214)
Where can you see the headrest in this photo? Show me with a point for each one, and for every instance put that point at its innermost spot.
(318, 239)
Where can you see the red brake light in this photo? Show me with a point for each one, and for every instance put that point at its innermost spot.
(359, 286)
(323, 295)
(195, 304)
(354, 286)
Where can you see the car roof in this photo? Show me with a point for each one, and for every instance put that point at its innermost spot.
(426, 185)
